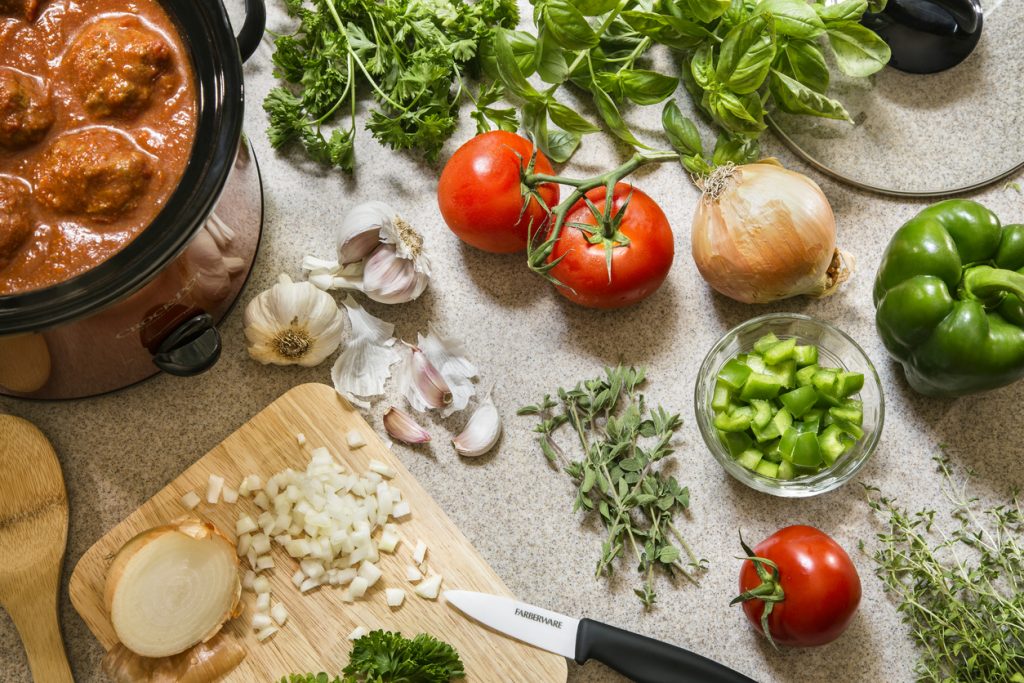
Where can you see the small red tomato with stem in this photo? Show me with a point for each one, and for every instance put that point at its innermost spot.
(612, 254)
(481, 197)
(799, 587)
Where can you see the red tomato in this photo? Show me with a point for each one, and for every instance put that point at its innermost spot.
(821, 585)
(638, 268)
(480, 195)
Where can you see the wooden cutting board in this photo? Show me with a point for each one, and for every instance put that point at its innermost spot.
(315, 636)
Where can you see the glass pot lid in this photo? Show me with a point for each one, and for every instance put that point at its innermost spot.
(926, 134)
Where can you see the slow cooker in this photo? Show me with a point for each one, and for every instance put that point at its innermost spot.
(154, 305)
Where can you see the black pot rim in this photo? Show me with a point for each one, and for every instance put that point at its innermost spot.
(217, 66)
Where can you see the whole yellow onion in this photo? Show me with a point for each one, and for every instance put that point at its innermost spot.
(763, 233)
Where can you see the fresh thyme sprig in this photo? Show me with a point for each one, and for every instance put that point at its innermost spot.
(960, 589)
(622, 443)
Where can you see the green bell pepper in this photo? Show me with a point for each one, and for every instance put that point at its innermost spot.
(949, 299)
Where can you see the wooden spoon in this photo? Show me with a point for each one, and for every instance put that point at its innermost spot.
(33, 532)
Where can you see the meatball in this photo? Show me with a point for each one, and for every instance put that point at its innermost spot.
(25, 112)
(15, 221)
(117, 64)
(96, 172)
(23, 9)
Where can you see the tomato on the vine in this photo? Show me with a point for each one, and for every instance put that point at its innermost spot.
(810, 598)
(640, 241)
(481, 197)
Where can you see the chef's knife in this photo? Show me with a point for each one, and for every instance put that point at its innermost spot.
(643, 659)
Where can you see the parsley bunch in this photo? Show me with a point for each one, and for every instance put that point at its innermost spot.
(622, 443)
(387, 657)
(410, 54)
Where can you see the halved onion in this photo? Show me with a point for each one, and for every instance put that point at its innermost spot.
(172, 587)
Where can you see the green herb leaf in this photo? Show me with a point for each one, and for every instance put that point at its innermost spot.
(567, 25)
(508, 69)
(523, 46)
(793, 97)
(793, 18)
(551, 64)
(702, 66)
(646, 87)
(681, 131)
(613, 119)
(387, 656)
(674, 32)
(841, 12)
(593, 8)
(737, 114)
(705, 11)
(567, 119)
(802, 60)
(746, 55)
(859, 52)
(734, 149)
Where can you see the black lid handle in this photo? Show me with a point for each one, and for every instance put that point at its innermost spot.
(191, 349)
(252, 30)
(646, 660)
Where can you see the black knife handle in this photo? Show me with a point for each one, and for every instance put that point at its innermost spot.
(646, 660)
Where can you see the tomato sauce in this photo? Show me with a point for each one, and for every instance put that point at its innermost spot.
(97, 120)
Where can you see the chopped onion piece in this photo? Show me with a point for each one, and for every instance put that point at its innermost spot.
(383, 469)
(249, 581)
(389, 539)
(191, 500)
(245, 525)
(413, 574)
(279, 614)
(400, 510)
(262, 602)
(264, 562)
(266, 633)
(309, 584)
(301, 438)
(261, 621)
(357, 588)
(355, 439)
(358, 632)
(261, 544)
(244, 543)
(229, 495)
(261, 584)
(213, 488)
(370, 572)
(261, 500)
(298, 577)
(420, 553)
(429, 587)
(394, 596)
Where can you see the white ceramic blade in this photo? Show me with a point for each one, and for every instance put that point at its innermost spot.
(539, 627)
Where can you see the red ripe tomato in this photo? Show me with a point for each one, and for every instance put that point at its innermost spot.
(820, 583)
(638, 267)
(480, 196)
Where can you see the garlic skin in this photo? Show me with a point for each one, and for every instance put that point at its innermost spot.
(420, 382)
(379, 254)
(482, 431)
(292, 323)
(448, 355)
(364, 367)
(401, 427)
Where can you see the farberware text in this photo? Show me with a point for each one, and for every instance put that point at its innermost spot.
(537, 617)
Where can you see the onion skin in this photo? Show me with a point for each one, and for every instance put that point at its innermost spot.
(191, 526)
(202, 663)
(762, 233)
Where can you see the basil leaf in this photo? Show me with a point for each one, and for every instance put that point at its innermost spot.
(734, 149)
(646, 87)
(792, 96)
(568, 26)
(696, 165)
(508, 69)
(847, 10)
(802, 60)
(859, 52)
(877, 6)
(682, 133)
(735, 112)
(535, 121)
(593, 8)
(523, 47)
(793, 18)
(746, 55)
(674, 32)
(702, 66)
(611, 83)
(704, 11)
(613, 119)
(551, 64)
(562, 145)
(567, 119)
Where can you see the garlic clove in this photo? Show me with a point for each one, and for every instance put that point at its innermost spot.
(364, 367)
(421, 383)
(292, 323)
(391, 279)
(401, 427)
(482, 431)
(359, 232)
(447, 354)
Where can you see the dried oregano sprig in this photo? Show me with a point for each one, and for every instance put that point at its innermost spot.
(960, 588)
(622, 443)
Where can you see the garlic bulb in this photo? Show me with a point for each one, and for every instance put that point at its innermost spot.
(379, 254)
(364, 367)
(762, 233)
(401, 427)
(292, 323)
(482, 431)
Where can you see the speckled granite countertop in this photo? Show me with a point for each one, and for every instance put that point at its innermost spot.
(120, 449)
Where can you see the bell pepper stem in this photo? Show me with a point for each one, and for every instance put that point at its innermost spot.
(985, 282)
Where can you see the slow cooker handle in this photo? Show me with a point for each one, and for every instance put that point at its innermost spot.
(252, 30)
(190, 349)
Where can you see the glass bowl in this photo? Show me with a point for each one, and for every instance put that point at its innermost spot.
(835, 349)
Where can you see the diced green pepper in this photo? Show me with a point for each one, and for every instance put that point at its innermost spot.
(756, 363)
(767, 433)
(734, 374)
(782, 420)
(806, 451)
(767, 468)
(762, 412)
(749, 458)
(735, 442)
(787, 442)
(722, 396)
(832, 444)
(799, 401)
(771, 451)
(786, 470)
(766, 342)
(810, 424)
(785, 372)
(850, 411)
(849, 428)
(779, 351)
(825, 381)
(805, 355)
(760, 386)
(805, 376)
(849, 383)
(736, 420)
